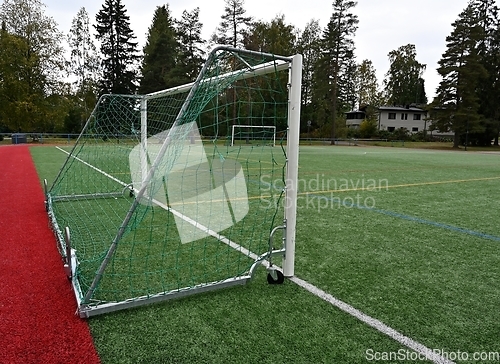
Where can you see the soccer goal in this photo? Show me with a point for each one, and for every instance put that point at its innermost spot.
(250, 134)
(154, 202)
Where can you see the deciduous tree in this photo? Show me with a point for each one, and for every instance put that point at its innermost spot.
(84, 66)
(367, 87)
(404, 84)
(275, 37)
(31, 65)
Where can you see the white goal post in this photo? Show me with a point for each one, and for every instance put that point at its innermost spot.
(270, 139)
(152, 204)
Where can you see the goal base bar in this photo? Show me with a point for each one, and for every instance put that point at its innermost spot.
(88, 310)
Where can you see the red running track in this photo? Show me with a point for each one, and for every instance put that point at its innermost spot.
(37, 306)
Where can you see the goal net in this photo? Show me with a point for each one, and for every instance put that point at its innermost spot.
(154, 202)
(253, 134)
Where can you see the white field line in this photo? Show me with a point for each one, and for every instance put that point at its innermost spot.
(94, 168)
(421, 349)
(376, 324)
(208, 231)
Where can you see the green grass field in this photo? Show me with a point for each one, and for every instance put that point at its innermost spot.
(408, 237)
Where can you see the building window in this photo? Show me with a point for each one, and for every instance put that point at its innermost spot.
(355, 116)
(392, 115)
(391, 129)
(417, 116)
(414, 129)
(404, 116)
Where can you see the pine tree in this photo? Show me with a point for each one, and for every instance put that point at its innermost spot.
(231, 31)
(275, 37)
(489, 51)
(161, 52)
(309, 46)
(457, 103)
(336, 63)
(192, 55)
(118, 49)
(234, 23)
(347, 93)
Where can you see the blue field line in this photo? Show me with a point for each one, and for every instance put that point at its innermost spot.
(413, 218)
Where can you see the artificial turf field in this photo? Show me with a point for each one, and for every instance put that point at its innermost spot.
(408, 237)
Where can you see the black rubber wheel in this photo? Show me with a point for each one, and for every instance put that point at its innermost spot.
(280, 278)
(131, 193)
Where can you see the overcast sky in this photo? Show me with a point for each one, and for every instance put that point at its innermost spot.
(384, 25)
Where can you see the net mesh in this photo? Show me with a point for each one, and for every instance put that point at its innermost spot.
(254, 134)
(155, 196)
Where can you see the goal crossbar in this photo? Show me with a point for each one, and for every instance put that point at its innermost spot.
(262, 69)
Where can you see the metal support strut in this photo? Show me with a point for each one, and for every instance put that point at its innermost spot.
(274, 275)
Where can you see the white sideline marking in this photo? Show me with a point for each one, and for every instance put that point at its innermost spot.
(370, 321)
(207, 230)
(376, 324)
(93, 167)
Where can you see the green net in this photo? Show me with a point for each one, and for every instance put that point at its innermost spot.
(155, 196)
(255, 134)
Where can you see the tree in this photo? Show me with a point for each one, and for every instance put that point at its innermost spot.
(369, 97)
(489, 51)
(31, 64)
(231, 31)
(16, 97)
(275, 37)
(368, 128)
(404, 84)
(337, 48)
(456, 105)
(84, 65)
(234, 23)
(118, 49)
(161, 52)
(367, 87)
(347, 92)
(308, 45)
(192, 55)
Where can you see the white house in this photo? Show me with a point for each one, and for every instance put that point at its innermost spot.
(391, 118)
(355, 118)
(412, 119)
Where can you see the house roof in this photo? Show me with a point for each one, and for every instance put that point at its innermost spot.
(390, 108)
(399, 108)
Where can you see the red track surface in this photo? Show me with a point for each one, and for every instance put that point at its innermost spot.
(37, 306)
